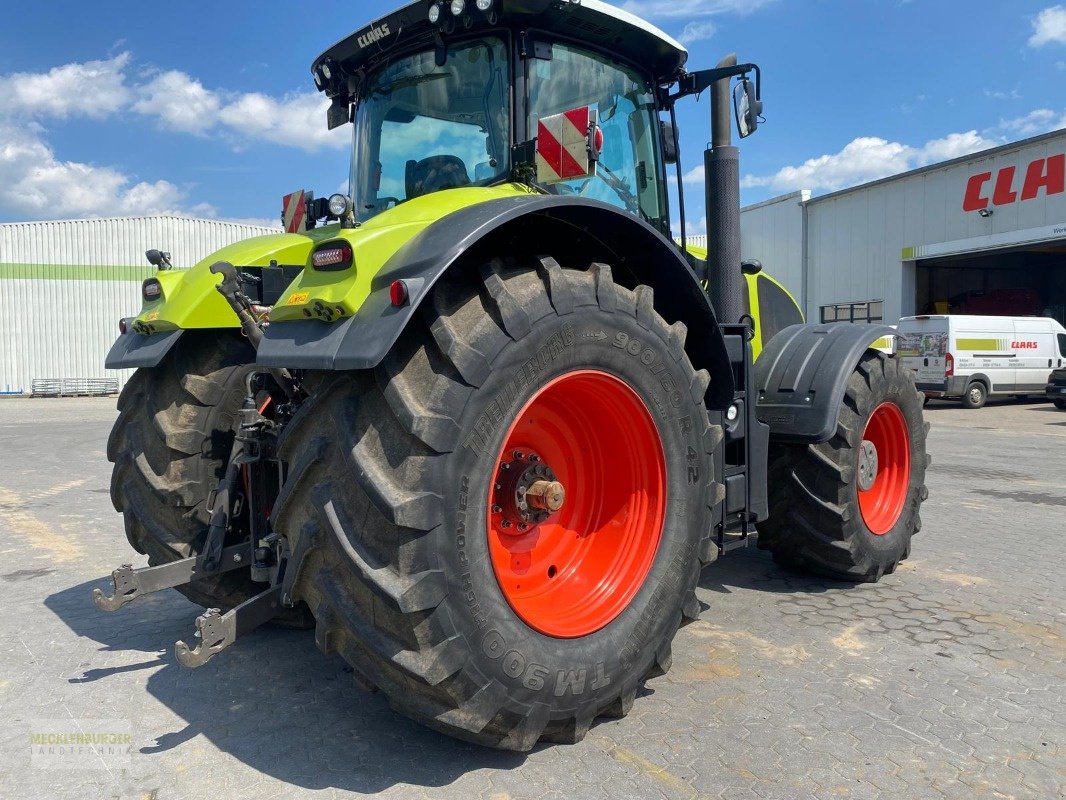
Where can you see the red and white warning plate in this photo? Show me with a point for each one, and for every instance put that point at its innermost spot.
(294, 212)
(568, 145)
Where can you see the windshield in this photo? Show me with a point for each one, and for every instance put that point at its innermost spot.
(421, 128)
(628, 173)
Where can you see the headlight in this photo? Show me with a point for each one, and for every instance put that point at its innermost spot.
(339, 205)
(457, 7)
(484, 5)
(434, 13)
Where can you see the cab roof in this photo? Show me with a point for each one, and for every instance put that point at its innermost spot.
(593, 22)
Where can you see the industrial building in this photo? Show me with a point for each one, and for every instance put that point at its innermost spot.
(982, 234)
(65, 285)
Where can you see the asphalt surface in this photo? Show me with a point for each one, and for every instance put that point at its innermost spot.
(947, 679)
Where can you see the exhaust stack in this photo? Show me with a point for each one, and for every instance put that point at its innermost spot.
(722, 167)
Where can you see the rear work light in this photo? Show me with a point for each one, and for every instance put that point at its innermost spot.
(151, 290)
(949, 365)
(332, 257)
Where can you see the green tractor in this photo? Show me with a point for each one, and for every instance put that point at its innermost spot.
(482, 421)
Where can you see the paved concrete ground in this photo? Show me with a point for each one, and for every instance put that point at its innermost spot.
(947, 679)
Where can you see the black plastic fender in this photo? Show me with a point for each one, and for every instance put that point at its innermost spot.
(636, 251)
(801, 375)
(132, 350)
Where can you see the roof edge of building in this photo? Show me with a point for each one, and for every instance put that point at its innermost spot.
(942, 164)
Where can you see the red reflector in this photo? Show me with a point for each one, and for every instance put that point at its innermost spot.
(328, 256)
(398, 293)
(949, 365)
(124, 325)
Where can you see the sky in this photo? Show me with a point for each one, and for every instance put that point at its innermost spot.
(134, 108)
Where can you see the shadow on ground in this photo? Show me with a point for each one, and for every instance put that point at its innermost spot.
(272, 701)
(754, 569)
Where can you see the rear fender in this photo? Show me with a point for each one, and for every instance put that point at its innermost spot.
(801, 376)
(573, 229)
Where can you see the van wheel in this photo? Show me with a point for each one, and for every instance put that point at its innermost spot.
(1060, 404)
(975, 395)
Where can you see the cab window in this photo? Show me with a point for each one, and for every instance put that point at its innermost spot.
(628, 173)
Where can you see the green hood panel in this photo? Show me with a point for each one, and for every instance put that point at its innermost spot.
(190, 299)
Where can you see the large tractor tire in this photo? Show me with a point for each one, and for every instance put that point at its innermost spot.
(170, 446)
(847, 508)
(426, 495)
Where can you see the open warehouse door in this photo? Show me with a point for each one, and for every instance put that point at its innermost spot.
(1027, 281)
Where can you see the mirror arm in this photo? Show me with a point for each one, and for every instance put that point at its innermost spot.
(697, 82)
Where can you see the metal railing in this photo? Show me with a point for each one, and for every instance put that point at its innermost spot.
(73, 387)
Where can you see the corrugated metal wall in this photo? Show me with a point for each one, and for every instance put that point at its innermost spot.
(849, 246)
(64, 285)
(772, 232)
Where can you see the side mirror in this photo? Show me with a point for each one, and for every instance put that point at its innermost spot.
(668, 134)
(747, 107)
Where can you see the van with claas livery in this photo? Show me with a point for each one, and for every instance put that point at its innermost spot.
(975, 357)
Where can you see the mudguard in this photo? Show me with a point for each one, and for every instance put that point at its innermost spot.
(802, 373)
(132, 350)
(633, 247)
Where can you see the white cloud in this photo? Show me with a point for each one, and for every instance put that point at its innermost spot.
(697, 32)
(1035, 122)
(181, 103)
(656, 9)
(865, 159)
(93, 89)
(1049, 27)
(694, 175)
(34, 181)
(298, 120)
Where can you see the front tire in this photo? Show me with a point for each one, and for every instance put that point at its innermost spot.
(401, 480)
(169, 447)
(975, 396)
(1060, 404)
(847, 508)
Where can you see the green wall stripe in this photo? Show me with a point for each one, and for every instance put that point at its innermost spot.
(74, 272)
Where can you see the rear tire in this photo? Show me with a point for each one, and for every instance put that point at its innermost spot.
(170, 445)
(391, 473)
(821, 519)
(975, 396)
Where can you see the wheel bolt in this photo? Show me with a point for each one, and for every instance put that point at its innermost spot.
(496, 509)
(505, 523)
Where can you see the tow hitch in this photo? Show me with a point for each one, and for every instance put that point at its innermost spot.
(239, 508)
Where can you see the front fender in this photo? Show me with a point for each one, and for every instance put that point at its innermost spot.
(635, 249)
(801, 376)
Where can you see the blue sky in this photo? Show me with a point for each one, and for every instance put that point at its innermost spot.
(156, 108)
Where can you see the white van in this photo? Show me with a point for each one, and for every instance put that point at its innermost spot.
(973, 357)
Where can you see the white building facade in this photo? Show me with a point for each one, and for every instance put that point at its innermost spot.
(982, 234)
(65, 285)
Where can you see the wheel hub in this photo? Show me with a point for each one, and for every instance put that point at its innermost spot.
(867, 465)
(527, 492)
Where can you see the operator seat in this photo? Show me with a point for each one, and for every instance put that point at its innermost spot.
(435, 173)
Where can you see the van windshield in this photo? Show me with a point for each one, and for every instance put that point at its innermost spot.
(422, 128)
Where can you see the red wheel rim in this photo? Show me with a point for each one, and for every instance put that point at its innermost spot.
(572, 571)
(882, 504)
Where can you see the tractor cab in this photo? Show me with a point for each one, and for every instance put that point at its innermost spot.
(444, 95)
